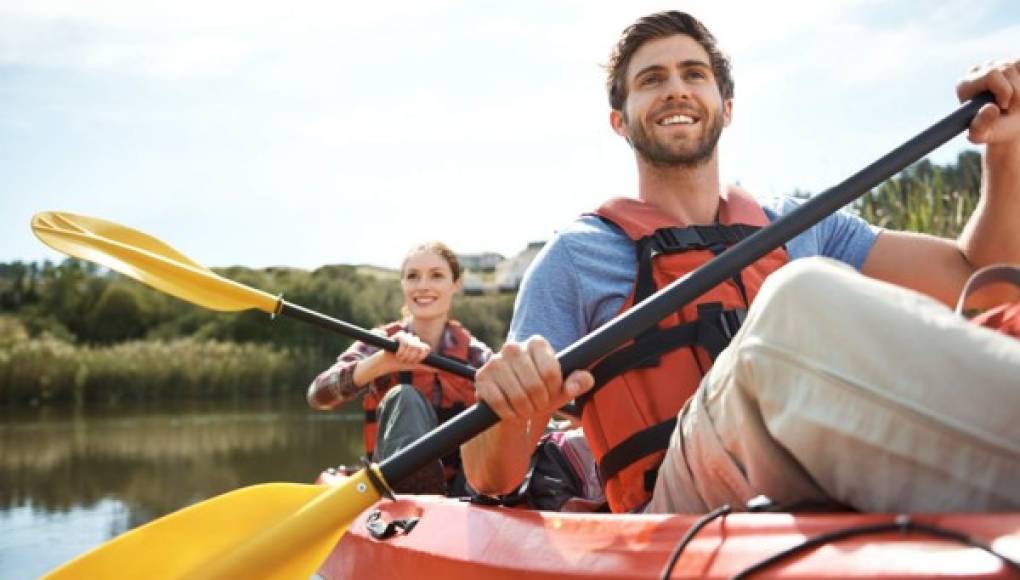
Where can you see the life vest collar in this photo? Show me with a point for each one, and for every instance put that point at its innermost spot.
(639, 218)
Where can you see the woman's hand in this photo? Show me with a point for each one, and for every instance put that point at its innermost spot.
(411, 350)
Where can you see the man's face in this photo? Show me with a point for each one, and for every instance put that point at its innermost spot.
(674, 114)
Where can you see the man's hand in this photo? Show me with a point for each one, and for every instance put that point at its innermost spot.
(524, 380)
(997, 122)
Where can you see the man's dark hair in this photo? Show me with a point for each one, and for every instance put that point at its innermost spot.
(653, 27)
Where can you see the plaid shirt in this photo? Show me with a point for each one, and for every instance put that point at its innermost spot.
(335, 386)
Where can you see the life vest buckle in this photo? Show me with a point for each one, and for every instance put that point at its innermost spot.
(731, 321)
(674, 240)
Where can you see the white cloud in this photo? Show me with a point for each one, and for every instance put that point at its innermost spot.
(185, 38)
(341, 131)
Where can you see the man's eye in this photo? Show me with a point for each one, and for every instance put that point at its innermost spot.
(697, 74)
(650, 80)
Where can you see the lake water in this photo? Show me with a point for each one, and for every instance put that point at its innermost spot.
(71, 480)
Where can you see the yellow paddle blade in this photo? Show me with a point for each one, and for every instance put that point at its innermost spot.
(274, 530)
(147, 260)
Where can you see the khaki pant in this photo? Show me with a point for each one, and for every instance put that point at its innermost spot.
(842, 388)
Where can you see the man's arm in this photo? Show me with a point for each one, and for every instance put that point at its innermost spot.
(522, 383)
(939, 267)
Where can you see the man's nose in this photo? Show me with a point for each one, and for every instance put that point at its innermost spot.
(676, 88)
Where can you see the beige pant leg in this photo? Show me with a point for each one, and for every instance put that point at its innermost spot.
(842, 387)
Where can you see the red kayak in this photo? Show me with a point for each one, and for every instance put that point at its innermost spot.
(437, 537)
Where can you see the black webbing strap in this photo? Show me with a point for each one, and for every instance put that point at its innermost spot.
(674, 240)
(716, 327)
(644, 286)
(712, 331)
(444, 414)
(644, 348)
(641, 444)
(653, 345)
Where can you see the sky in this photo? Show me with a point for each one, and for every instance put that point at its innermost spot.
(306, 133)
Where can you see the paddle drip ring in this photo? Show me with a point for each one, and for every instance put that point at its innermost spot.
(380, 485)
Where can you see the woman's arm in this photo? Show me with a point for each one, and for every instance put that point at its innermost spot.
(337, 384)
(359, 366)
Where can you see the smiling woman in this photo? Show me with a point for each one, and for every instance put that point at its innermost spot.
(402, 398)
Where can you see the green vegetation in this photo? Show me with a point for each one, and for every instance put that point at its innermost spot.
(72, 333)
(926, 198)
(75, 334)
(52, 370)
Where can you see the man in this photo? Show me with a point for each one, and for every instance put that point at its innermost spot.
(838, 388)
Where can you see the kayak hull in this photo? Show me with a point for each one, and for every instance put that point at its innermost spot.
(455, 539)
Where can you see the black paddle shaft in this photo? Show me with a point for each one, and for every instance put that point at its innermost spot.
(347, 329)
(447, 437)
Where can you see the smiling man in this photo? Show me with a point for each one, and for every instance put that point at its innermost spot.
(822, 396)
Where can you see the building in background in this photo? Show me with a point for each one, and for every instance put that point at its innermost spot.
(489, 272)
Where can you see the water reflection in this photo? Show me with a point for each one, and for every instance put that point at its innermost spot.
(71, 480)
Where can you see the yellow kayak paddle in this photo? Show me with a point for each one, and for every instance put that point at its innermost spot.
(156, 264)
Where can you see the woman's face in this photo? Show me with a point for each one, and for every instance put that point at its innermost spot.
(428, 285)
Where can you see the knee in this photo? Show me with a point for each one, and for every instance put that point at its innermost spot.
(397, 394)
(808, 289)
(803, 285)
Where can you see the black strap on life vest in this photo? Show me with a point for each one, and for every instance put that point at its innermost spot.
(666, 241)
(639, 445)
(675, 240)
(712, 331)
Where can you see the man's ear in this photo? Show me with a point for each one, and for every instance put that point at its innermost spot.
(618, 123)
(727, 112)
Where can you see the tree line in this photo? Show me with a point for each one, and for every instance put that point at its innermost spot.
(76, 333)
(72, 332)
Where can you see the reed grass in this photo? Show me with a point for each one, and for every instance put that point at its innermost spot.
(47, 369)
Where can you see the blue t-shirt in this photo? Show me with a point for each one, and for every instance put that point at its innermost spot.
(581, 278)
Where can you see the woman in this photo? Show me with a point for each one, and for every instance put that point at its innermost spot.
(404, 399)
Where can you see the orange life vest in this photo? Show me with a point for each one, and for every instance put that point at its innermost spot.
(448, 393)
(629, 415)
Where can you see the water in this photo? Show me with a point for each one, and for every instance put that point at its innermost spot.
(70, 481)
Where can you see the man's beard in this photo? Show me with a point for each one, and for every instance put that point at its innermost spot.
(661, 154)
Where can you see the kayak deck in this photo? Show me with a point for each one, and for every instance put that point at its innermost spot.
(455, 539)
